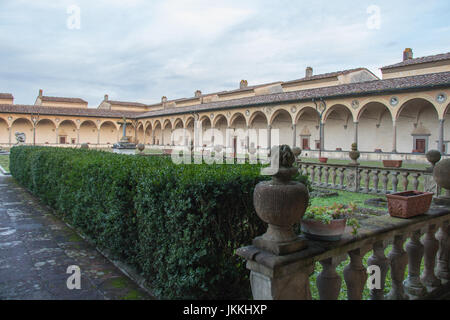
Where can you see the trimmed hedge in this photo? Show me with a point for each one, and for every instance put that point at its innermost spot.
(178, 224)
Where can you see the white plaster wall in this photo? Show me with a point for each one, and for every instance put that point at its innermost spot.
(69, 130)
(108, 133)
(260, 136)
(370, 137)
(45, 132)
(283, 124)
(336, 136)
(88, 133)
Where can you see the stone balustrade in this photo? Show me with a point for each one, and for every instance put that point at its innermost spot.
(426, 237)
(364, 179)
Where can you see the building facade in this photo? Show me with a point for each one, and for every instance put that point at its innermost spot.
(402, 115)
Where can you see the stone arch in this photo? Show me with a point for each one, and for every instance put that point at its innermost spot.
(414, 114)
(148, 133)
(369, 105)
(108, 132)
(206, 136)
(375, 128)
(46, 132)
(4, 131)
(414, 99)
(23, 125)
(308, 128)
(88, 132)
(166, 132)
(67, 132)
(140, 133)
(259, 122)
(281, 132)
(157, 133)
(339, 128)
(277, 113)
(236, 116)
(220, 117)
(188, 120)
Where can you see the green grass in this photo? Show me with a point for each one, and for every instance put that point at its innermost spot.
(343, 197)
(4, 162)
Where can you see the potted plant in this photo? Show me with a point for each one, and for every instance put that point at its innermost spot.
(327, 223)
(323, 160)
(409, 204)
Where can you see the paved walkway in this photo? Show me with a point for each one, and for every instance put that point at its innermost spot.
(36, 248)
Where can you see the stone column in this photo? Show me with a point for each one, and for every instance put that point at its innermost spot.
(356, 132)
(98, 136)
(294, 135)
(9, 137)
(394, 137)
(145, 130)
(322, 136)
(196, 135)
(78, 135)
(56, 133)
(269, 137)
(441, 136)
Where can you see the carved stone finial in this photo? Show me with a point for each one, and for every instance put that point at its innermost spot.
(354, 154)
(441, 174)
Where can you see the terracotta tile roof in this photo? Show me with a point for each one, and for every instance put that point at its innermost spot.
(435, 58)
(326, 75)
(61, 99)
(6, 96)
(124, 103)
(82, 112)
(355, 89)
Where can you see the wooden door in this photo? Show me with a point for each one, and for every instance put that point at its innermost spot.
(62, 140)
(305, 143)
(420, 145)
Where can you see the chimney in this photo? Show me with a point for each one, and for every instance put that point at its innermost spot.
(164, 99)
(407, 54)
(309, 72)
(198, 93)
(106, 97)
(243, 84)
(41, 92)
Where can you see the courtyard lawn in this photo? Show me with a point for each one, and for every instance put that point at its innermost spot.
(344, 197)
(4, 162)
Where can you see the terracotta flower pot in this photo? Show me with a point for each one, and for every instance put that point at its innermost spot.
(409, 204)
(323, 160)
(392, 163)
(316, 230)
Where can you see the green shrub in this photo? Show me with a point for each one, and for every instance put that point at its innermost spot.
(179, 224)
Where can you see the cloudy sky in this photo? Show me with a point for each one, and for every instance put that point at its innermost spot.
(139, 50)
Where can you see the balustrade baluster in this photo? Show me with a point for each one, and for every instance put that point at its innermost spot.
(333, 177)
(405, 180)
(341, 178)
(319, 175)
(329, 281)
(395, 181)
(443, 255)
(366, 181)
(415, 181)
(327, 176)
(384, 181)
(355, 275)
(398, 259)
(431, 246)
(379, 259)
(304, 170)
(414, 248)
(375, 180)
(313, 174)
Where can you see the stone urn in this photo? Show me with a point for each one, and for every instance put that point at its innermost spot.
(84, 146)
(441, 174)
(296, 151)
(281, 203)
(141, 147)
(354, 154)
(433, 157)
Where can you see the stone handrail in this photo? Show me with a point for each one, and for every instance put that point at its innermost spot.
(287, 277)
(366, 179)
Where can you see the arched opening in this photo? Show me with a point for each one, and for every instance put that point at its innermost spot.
(189, 125)
(88, 132)
(339, 129)
(220, 133)
(4, 131)
(238, 137)
(417, 127)
(67, 132)
(258, 122)
(140, 133)
(308, 130)
(206, 137)
(157, 134)
(281, 128)
(375, 131)
(178, 133)
(148, 133)
(167, 133)
(22, 125)
(45, 132)
(108, 133)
